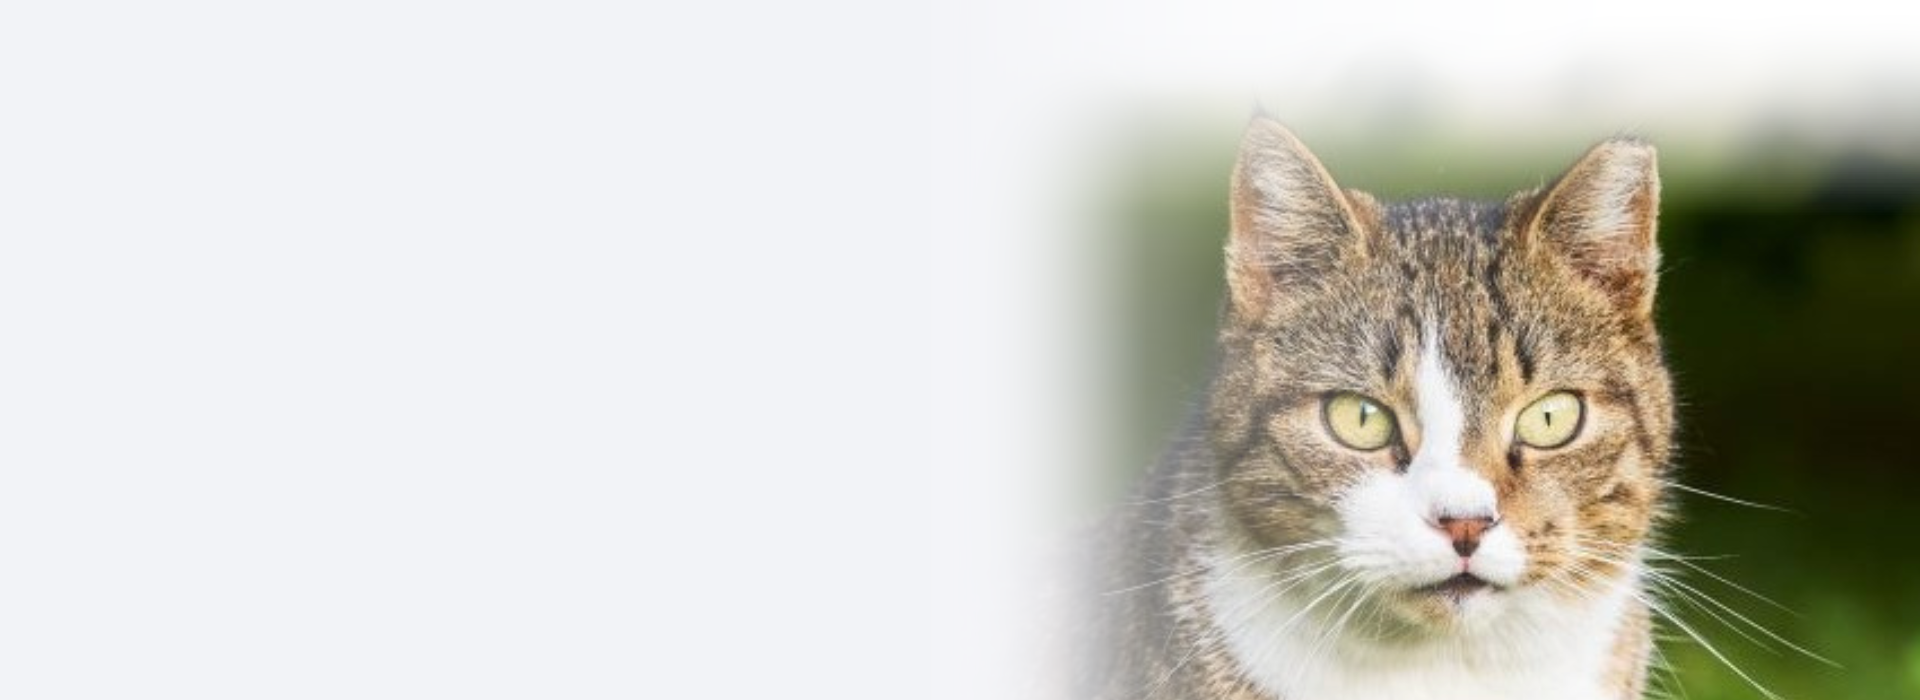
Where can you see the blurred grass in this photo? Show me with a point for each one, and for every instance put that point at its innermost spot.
(1790, 304)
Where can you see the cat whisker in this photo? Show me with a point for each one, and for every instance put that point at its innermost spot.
(1667, 582)
(1208, 646)
(1663, 612)
(1707, 603)
(1238, 617)
(1581, 580)
(1663, 556)
(1560, 581)
(1684, 561)
(1723, 497)
(1689, 592)
(1177, 496)
(1681, 593)
(1292, 579)
(1238, 562)
(1337, 628)
(1665, 682)
(1340, 586)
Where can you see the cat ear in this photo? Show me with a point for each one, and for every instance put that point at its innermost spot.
(1291, 224)
(1599, 219)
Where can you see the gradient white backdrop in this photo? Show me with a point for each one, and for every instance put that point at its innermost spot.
(581, 350)
(459, 350)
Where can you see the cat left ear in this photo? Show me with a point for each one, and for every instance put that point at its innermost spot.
(1599, 218)
(1292, 226)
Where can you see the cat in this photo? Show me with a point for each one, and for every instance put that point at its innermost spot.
(1434, 445)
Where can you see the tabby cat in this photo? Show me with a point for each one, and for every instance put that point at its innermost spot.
(1432, 451)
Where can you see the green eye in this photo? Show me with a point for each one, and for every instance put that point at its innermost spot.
(1359, 422)
(1550, 422)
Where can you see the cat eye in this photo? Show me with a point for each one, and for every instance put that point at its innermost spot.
(1551, 421)
(1358, 422)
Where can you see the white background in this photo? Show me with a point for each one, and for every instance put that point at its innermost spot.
(571, 349)
(461, 350)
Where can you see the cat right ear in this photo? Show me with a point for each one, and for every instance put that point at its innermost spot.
(1600, 218)
(1292, 225)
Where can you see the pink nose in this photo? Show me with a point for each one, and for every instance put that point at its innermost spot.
(1465, 532)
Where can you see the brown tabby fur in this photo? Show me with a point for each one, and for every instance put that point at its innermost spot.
(1330, 290)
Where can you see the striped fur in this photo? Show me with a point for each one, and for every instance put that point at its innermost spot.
(1455, 315)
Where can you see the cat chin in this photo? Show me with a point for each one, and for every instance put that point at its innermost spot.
(1455, 605)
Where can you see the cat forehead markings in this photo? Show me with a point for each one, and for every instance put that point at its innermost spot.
(1428, 218)
(1451, 255)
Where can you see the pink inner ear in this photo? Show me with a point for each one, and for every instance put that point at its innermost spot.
(1291, 221)
(1601, 216)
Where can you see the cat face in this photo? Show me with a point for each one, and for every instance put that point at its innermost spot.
(1452, 406)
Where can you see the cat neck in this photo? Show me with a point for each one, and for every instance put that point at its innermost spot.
(1529, 643)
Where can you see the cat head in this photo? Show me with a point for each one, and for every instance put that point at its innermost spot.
(1458, 404)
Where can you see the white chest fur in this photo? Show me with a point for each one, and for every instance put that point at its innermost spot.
(1527, 644)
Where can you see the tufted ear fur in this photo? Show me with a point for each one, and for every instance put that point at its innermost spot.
(1291, 224)
(1599, 219)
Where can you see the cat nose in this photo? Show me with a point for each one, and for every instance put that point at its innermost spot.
(1465, 532)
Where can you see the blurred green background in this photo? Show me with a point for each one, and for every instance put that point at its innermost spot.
(1790, 306)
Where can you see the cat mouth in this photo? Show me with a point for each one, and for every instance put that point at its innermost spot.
(1457, 588)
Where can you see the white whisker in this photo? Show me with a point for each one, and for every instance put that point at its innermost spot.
(1729, 499)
